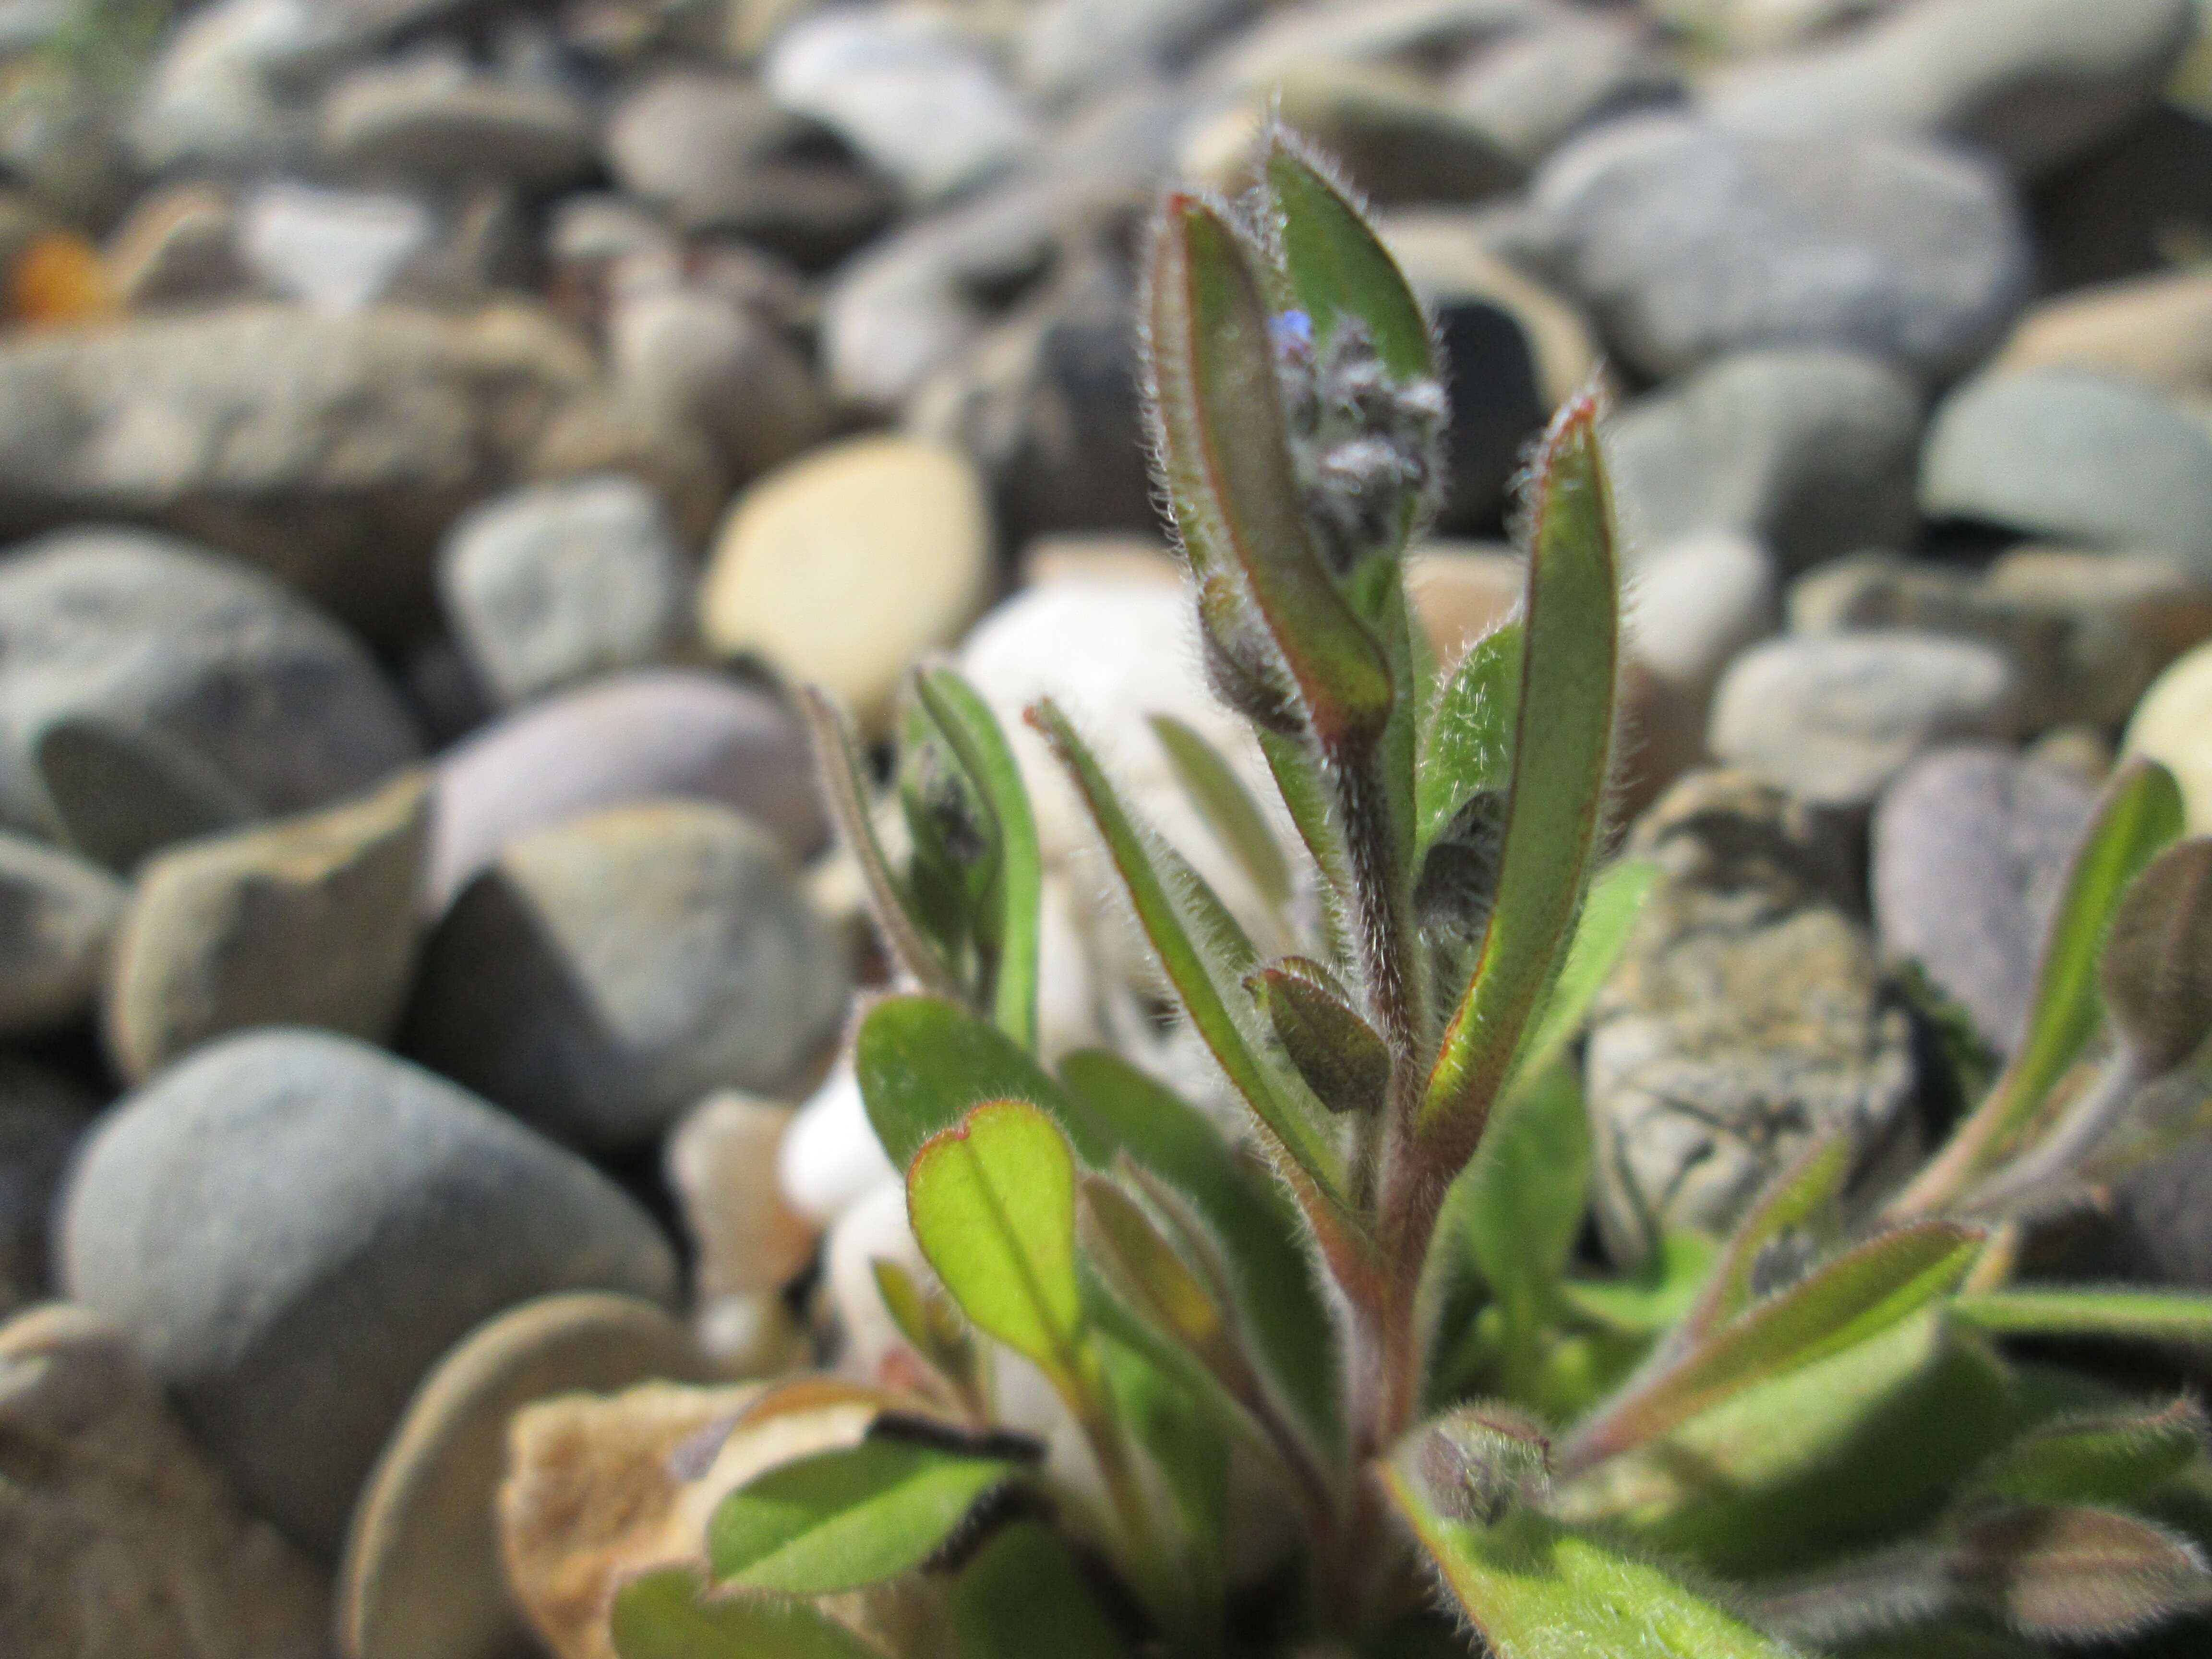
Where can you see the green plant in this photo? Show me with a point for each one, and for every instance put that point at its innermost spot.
(1800, 1438)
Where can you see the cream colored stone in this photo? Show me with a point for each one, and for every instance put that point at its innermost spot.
(843, 567)
(422, 1578)
(2173, 724)
(722, 1163)
(2154, 329)
(1461, 591)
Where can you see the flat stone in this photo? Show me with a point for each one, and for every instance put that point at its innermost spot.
(1811, 453)
(1747, 1016)
(335, 252)
(309, 921)
(149, 689)
(2071, 455)
(1069, 47)
(629, 738)
(1833, 717)
(42, 1116)
(2037, 82)
(428, 116)
(842, 568)
(561, 582)
(1536, 88)
(421, 1573)
(330, 451)
(722, 1163)
(2155, 330)
(293, 1226)
(828, 1159)
(57, 915)
(118, 1541)
(607, 971)
(1687, 242)
(2172, 725)
(1970, 849)
(1350, 31)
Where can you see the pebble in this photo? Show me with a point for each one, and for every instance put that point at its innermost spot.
(900, 85)
(723, 1165)
(1069, 48)
(178, 245)
(151, 690)
(307, 922)
(333, 250)
(1536, 88)
(1462, 591)
(2172, 725)
(828, 1159)
(843, 567)
(1747, 1016)
(276, 1223)
(1970, 849)
(332, 451)
(57, 915)
(605, 972)
(1813, 453)
(602, 1486)
(1687, 242)
(1693, 604)
(1832, 718)
(421, 1573)
(123, 1542)
(627, 737)
(2071, 455)
(561, 582)
(2086, 632)
(427, 117)
(42, 1114)
(2037, 81)
(229, 89)
(2155, 330)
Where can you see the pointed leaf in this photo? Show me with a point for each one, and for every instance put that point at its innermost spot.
(1535, 1589)
(1120, 1241)
(1342, 1058)
(2157, 968)
(843, 1519)
(1466, 748)
(668, 1614)
(2070, 1573)
(1615, 900)
(1225, 451)
(1021, 1597)
(1798, 1207)
(1335, 264)
(2125, 1315)
(970, 727)
(930, 1324)
(992, 1204)
(2112, 1457)
(1562, 751)
(1220, 797)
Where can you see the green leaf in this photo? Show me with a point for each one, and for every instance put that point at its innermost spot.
(1342, 1058)
(1152, 1279)
(1228, 809)
(1535, 1589)
(2073, 1573)
(2157, 969)
(2108, 1457)
(1311, 1162)
(890, 904)
(1467, 747)
(2141, 813)
(1334, 264)
(992, 1204)
(843, 1519)
(1526, 1193)
(1021, 1597)
(1225, 451)
(1859, 1294)
(932, 1325)
(1798, 1211)
(969, 726)
(2126, 1315)
(1562, 750)
(922, 1063)
(667, 1613)
(1615, 900)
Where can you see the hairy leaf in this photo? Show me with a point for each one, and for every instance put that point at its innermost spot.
(992, 1204)
(2073, 1573)
(667, 1613)
(1021, 1597)
(1228, 808)
(1466, 748)
(2157, 968)
(1145, 1271)
(2127, 1315)
(1335, 266)
(2111, 1457)
(1796, 1212)
(1342, 1058)
(843, 1519)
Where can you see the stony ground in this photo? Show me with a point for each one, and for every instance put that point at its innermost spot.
(431, 432)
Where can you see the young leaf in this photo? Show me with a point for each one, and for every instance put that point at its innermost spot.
(1335, 266)
(1224, 446)
(967, 724)
(1523, 1201)
(2141, 813)
(843, 1519)
(846, 790)
(2112, 1457)
(2157, 969)
(1857, 1296)
(1340, 1056)
(1228, 808)
(1535, 1589)
(2126, 1315)
(2071, 1573)
(1793, 1214)
(667, 1613)
(1143, 1270)
(1562, 750)
(1021, 1597)
(1466, 748)
(992, 1204)
(933, 1327)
